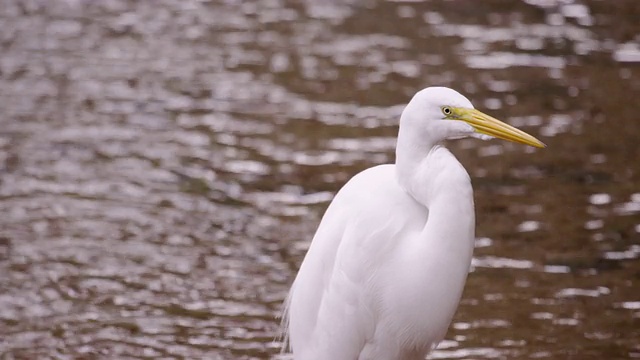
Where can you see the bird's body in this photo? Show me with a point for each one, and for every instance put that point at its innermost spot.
(366, 270)
(386, 268)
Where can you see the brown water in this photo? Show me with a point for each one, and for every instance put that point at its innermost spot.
(163, 165)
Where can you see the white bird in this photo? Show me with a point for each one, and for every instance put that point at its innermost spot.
(386, 268)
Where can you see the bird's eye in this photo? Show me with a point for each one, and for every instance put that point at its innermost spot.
(447, 110)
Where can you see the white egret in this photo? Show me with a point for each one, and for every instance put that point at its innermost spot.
(386, 268)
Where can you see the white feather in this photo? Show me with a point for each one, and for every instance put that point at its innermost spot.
(386, 268)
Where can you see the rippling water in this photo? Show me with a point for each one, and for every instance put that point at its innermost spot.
(164, 164)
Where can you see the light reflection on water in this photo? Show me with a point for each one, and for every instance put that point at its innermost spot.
(164, 165)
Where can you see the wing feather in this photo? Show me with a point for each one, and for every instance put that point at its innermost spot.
(331, 311)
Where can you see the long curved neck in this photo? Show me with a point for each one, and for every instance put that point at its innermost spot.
(413, 157)
(443, 248)
(430, 174)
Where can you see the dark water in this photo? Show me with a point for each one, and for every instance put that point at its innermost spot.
(163, 165)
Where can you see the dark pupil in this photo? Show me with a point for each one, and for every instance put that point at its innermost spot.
(447, 111)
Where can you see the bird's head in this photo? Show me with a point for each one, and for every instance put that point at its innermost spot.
(442, 113)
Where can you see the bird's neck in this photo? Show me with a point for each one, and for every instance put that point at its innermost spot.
(435, 179)
(425, 169)
(410, 154)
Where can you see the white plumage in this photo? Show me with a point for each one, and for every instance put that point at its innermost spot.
(386, 268)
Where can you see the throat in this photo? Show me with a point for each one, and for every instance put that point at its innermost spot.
(430, 174)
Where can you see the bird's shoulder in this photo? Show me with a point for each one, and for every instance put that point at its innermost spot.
(374, 186)
(372, 207)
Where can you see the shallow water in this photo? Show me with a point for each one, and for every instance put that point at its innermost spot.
(164, 164)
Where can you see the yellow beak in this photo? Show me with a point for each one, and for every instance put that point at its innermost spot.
(485, 124)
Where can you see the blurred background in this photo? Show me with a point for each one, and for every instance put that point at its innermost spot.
(164, 164)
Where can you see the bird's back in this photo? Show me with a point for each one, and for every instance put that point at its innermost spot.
(334, 306)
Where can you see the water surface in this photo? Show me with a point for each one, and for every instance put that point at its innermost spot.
(164, 164)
